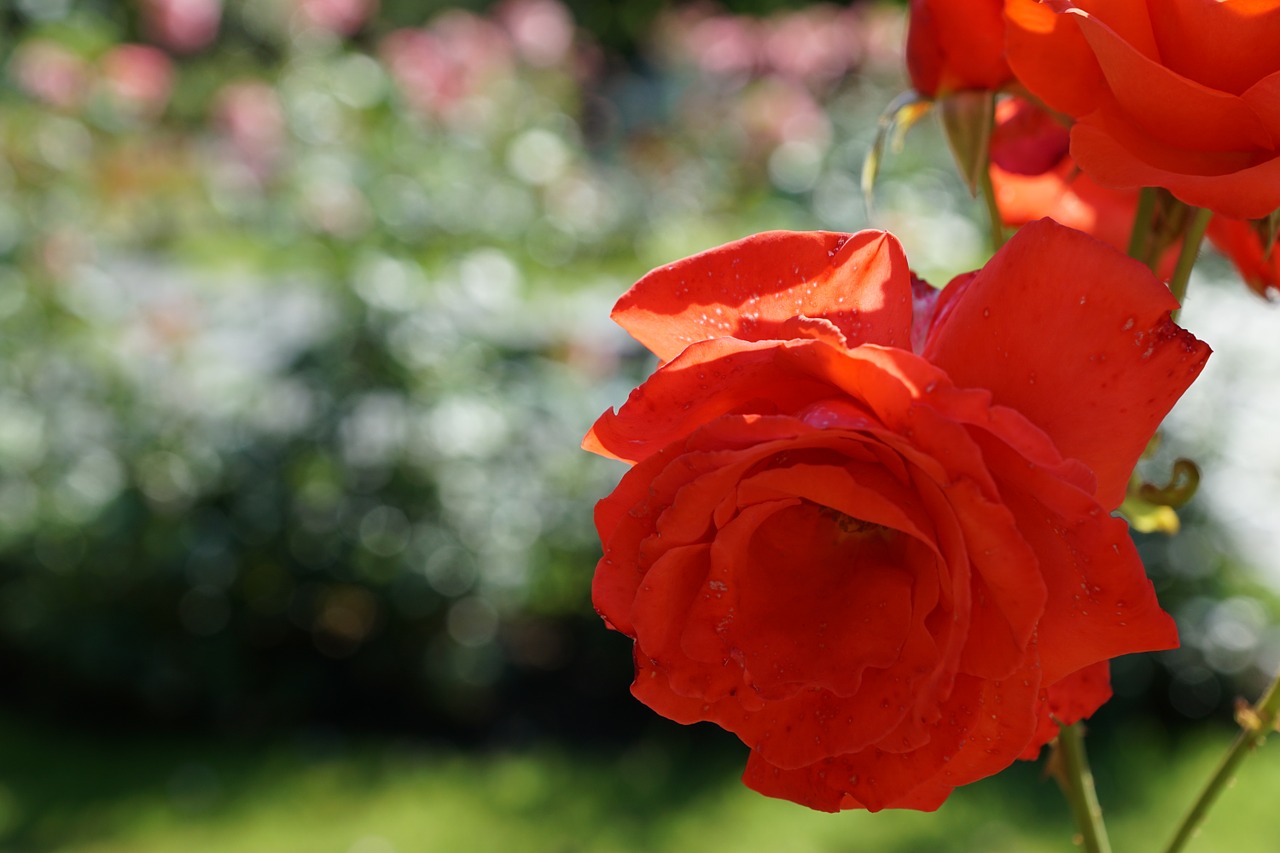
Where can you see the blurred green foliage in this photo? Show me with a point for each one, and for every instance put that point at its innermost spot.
(676, 790)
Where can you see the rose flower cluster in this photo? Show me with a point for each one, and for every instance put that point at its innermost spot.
(867, 527)
(1117, 97)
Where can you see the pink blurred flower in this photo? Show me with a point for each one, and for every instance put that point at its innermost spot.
(717, 44)
(49, 72)
(183, 26)
(138, 78)
(776, 111)
(542, 30)
(817, 45)
(342, 17)
(251, 120)
(441, 67)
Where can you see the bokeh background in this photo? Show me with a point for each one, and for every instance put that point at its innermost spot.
(303, 312)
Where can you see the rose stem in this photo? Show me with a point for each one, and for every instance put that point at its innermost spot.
(993, 211)
(1187, 257)
(1142, 222)
(1255, 723)
(1077, 784)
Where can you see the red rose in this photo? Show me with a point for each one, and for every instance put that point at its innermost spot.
(886, 568)
(954, 45)
(1187, 99)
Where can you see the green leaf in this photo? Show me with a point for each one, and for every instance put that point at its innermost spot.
(891, 129)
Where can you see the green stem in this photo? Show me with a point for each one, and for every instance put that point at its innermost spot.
(1142, 223)
(1255, 723)
(1187, 257)
(993, 210)
(1077, 784)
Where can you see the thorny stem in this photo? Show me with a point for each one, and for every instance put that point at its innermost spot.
(1187, 257)
(1256, 722)
(1077, 785)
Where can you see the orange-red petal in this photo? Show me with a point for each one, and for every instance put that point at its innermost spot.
(1194, 37)
(751, 289)
(1055, 310)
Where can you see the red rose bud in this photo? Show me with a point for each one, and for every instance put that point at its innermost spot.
(888, 569)
(953, 45)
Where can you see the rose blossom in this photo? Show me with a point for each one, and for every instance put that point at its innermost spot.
(1187, 99)
(867, 527)
(1034, 176)
(954, 45)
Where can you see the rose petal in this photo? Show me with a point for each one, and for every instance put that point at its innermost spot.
(970, 742)
(1243, 246)
(1172, 108)
(624, 520)
(677, 398)
(1039, 44)
(752, 288)
(1263, 97)
(814, 605)
(860, 491)
(1101, 604)
(1056, 309)
(1238, 185)
(1026, 139)
(1008, 594)
(1070, 700)
(1192, 35)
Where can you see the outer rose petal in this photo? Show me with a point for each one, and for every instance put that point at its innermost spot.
(1069, 701)
(1264, 98)
(1192, 33)
(968, 742)
(1101, 603)
(1006, 332)
(752, 288)
(1231, 184)
(1039, 44)
(1167, 105)
(678, 397)
(1026, 139)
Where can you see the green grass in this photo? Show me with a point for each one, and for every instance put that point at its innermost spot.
(142, 794)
